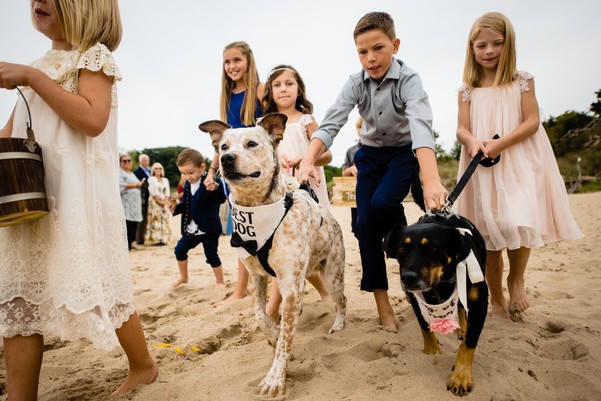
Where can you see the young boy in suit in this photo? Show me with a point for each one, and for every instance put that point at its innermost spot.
(200, 216)
(397, 141)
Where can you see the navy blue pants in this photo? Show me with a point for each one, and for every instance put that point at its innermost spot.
(383, 181)
(209, 243)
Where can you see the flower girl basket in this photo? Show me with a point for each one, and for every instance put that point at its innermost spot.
(22, 189)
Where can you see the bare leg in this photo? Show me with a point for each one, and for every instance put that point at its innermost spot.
(241, 290)
(142, 368)
(183, 273)
(23, 358)
(518, 260)
(494, 279)
(385, 311)
(275, 299)
(317, 282)
(218, 272)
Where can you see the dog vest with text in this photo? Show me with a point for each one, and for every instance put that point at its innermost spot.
(255, 226)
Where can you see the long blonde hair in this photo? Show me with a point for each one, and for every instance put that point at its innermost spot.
(85, 23)
(251, 79)
(506, 69)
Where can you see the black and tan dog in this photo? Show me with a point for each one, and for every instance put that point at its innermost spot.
(441, 259)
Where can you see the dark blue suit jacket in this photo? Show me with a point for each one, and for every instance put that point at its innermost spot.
(202, 207)
(141, 173)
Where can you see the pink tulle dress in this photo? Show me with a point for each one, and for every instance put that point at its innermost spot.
(522, 200)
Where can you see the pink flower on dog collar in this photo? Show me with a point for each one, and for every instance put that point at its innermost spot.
(444, 326)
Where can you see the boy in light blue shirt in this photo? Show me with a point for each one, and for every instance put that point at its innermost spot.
(397, 141)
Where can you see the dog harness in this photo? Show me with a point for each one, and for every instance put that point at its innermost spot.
(436, 315)
(254, 228)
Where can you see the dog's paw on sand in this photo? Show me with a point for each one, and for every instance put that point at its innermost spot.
(254, 389)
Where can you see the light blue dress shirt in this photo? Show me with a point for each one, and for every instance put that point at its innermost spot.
(396, 110)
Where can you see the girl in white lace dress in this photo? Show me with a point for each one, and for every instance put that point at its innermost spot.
(521, 202)
(68, 273)
(285, 93)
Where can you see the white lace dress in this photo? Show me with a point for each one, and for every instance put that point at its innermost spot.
(522, 200)
(296, 143)
(68, 273)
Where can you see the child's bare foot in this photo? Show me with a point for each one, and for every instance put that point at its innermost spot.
(499, 310)
(392, 326)
(179, 282)
(389, 321)
(135, 378)
(518, 298)
(233, 297)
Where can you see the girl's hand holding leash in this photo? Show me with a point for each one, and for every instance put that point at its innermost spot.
(493, 147)
(475, 145)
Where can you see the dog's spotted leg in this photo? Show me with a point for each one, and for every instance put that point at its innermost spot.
(333, 274)
(263, 321)
(431, 345)
(460, 382)
(292, 297)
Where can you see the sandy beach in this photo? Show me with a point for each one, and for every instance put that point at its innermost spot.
(554, 354)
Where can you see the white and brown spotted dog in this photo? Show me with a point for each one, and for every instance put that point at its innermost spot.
(307, 238)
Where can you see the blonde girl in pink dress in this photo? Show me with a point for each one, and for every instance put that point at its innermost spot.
(521, 202)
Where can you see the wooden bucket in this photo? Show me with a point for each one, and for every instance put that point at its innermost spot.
(23, 192)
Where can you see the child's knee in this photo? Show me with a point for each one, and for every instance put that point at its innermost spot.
(181, 253)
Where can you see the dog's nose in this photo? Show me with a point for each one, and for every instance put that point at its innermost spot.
(409, 278)
(228, 158)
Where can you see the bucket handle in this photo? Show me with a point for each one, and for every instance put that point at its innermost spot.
(29, 143)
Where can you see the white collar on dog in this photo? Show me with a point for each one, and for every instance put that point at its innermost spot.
(444, 311)
(257, 223)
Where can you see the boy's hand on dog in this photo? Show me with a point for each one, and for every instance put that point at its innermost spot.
(435, 195)
(307, 169)
(304, 172)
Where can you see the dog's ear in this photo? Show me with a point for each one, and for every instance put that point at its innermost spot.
(391, 240)
(215, 128)
(275, 125)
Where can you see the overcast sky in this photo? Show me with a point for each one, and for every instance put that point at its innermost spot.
(171, 56)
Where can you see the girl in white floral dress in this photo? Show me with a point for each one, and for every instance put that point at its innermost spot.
(521, 202)
(68, 274)
(158, 229)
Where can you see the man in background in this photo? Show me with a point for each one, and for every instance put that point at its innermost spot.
(143, 171)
